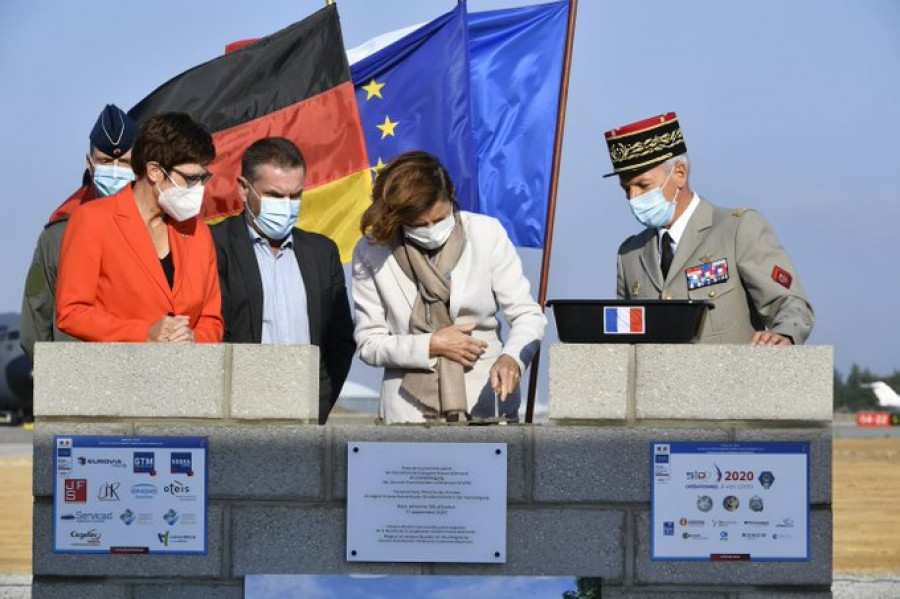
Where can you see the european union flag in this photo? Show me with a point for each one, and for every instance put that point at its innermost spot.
(414, 94)
(481, 92)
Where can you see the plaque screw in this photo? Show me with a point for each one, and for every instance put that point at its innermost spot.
(497, 451)
(354, 552)
(356, 450)
(496, 554)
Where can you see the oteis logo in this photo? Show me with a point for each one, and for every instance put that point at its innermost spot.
(178, 489)
(75, 490)
(181, 463)
(145, 462)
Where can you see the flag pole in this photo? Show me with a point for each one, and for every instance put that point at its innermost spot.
(551, 205)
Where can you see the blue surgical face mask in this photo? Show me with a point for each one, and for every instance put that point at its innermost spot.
(277, 216)
(652, 209)
(110, 179)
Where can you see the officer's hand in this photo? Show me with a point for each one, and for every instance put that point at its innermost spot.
(767, 338)
(181, 331)
(161, 329)
(456, 343)
(505, 376)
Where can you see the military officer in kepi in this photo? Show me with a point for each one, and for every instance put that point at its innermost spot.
(692, 249)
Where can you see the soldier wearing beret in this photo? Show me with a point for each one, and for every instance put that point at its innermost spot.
(692, 249)
(108, 171)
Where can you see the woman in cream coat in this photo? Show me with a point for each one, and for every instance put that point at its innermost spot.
(428, 281)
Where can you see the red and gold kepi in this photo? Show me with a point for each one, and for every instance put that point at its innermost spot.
(645, 144)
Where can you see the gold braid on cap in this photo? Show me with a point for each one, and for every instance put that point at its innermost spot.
(658, 143)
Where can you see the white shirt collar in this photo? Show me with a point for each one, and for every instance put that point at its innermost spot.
(680, 224)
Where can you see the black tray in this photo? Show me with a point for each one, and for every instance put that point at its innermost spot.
(628, 321)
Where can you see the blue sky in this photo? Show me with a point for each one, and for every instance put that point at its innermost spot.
(787, 107)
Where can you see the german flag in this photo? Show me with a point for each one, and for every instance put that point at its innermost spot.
(295, 84)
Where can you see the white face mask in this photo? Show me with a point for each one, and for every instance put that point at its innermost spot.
(181, 203)
(433, 237)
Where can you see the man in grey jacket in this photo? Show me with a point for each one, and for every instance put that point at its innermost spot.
(108, 170)
(692, 249)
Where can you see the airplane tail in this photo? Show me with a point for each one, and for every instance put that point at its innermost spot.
(887, 397)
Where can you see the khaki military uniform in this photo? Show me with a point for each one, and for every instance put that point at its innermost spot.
(38, 305)
(762, 290)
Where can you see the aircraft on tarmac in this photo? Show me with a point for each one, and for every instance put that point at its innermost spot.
(16, 385)
(887, 397)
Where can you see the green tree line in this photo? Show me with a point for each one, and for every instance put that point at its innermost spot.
(848, 395)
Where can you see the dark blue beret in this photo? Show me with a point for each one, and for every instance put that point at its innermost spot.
(114, 132)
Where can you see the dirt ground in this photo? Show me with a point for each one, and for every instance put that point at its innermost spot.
(866, 512)
(866, 483)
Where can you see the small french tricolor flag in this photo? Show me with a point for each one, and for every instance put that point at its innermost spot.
(623, 321)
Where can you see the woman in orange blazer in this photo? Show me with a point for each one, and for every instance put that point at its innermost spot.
(138, 266)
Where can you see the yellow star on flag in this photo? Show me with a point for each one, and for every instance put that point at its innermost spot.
(376, 168)
(373, 90)
(387, 127)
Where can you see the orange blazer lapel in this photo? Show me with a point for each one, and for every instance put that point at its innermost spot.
(133, 229)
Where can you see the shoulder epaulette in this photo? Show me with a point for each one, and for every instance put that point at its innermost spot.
(740, 212)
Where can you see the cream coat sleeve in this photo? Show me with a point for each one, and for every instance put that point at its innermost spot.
(377, 346)
(513, 292)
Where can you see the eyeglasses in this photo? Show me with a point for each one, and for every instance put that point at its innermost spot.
(192, 180)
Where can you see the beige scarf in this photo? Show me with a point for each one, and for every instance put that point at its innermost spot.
(442, 392)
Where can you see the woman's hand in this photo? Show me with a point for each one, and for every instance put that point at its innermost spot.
(456, 343)
(505, 376)
(171, 329)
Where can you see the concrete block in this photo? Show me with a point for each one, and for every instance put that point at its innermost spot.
(820, 457)
(817, 571)
(47, 563)
(251, 462)
(135, 380)
(589, 464)
(297, 540)
(57, 589)
(589, 382)
(234, 590)
(780, 593)
(515, 436)
(15, 586)
(620, 593)
(275, 382)
(555, 542)
(42, 483)
(733, 382)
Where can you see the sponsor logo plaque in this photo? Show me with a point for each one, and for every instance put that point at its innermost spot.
(730, 501)
(426, 502)
(129, 495)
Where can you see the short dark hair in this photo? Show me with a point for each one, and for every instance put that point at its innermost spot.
(407, 187)
(277, 151)
(170, 139)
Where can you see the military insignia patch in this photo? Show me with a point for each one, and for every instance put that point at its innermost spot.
(782, 277)
(707, 274)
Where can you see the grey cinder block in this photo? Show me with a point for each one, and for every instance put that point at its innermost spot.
(42, 483)
(670, 593)
(262, 463)
(297, 540)
(56, 589)
(135, 380)
(817, 571)
(47, 563)
(275, 382)
(590, 464)
(515, 436)
(733, 382)
(782, 594)
(589, 382)
(234, 590)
